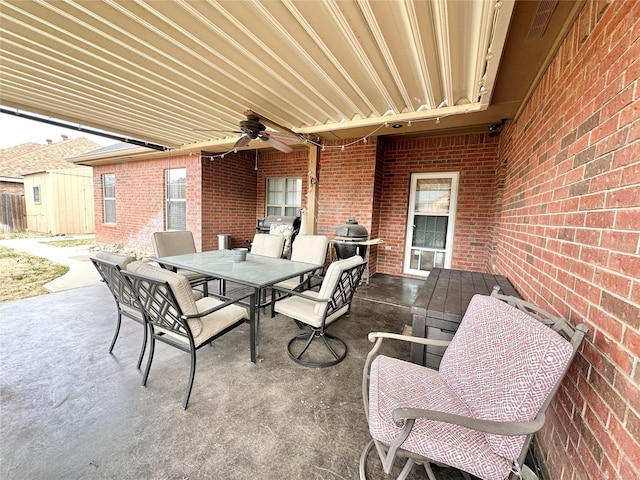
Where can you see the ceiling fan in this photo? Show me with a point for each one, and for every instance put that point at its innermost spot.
(255, 127)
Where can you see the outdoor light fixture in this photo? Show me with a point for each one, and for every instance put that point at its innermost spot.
(495, 128)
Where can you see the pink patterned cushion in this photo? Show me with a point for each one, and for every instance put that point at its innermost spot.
(395, 383)
(502, 364)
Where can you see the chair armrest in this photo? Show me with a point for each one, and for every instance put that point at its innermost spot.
(226, 303)
(402, 415)
(408, 338)
(299, 294)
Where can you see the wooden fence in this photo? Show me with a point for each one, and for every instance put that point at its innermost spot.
(13, 213)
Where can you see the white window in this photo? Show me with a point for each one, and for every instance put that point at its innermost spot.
(176, 195)
(36, 194)
(432, 212)
(284, 196)
(109, 197)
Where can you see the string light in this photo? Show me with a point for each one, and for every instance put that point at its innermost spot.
(343, 146)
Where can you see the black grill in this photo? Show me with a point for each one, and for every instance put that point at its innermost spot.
(264, 224)
(346, 244)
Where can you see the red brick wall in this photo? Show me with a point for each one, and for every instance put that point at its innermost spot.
(569, 234)
(228, 199)
(475, 157)
(346, 184)
(140, 201)
(280, 165)
(221, 197)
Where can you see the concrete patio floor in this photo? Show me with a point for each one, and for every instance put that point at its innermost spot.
(71, 410)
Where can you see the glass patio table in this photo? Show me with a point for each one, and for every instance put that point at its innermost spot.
(257, 271)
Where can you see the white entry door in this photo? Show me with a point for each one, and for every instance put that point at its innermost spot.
(432, 213)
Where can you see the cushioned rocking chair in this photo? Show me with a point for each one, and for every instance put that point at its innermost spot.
(319, 309)
(176, 318)
(479, 412)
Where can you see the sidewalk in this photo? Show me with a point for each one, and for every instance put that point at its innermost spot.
(81, 271)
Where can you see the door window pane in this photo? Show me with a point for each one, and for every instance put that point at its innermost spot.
(433, 195)
(430, 231)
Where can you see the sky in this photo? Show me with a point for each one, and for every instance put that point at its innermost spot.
(15, 131)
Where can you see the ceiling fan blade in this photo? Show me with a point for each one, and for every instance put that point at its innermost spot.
(243, 141)
(285, 137)
(277, 144)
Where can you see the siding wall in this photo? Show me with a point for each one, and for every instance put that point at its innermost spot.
(569, 234)
(66, 202)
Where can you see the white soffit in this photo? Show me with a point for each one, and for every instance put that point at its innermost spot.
(160, 70)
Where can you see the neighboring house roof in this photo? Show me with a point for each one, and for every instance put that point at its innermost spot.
(15, 162)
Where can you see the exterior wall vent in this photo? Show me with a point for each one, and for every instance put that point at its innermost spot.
(541, 20)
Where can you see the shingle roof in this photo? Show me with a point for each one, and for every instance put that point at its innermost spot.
(28, 158)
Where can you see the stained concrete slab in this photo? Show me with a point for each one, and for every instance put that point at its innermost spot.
(71, 410)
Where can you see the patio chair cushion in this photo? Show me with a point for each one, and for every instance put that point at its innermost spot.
(332, 277)
(179, 285)
(119, 259)
(522, 363)
(305, 310)
(267, 245)
(215, 322)
(202, 328)
(395, 383)
(173, 243)
(308, 249)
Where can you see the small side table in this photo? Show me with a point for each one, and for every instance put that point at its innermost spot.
(441, 304)
(368, 243)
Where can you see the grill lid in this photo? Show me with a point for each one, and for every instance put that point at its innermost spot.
(351, 229)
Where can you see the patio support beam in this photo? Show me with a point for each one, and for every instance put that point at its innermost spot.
(311, 212)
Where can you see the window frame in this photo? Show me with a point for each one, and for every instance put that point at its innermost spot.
(169, 200)
(285, 193)
(108, 199)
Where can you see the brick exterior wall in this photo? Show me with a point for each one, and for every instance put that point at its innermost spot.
(553, 203)
(346, 186)
(569, 234)
(228, 200)
(475, 157)
(280, 165)
(221, 197)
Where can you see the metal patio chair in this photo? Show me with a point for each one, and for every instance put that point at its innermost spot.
(109, 266)
(176, 318)
(479, 412)
(320, 309)
(179, 242)
(307, 249)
